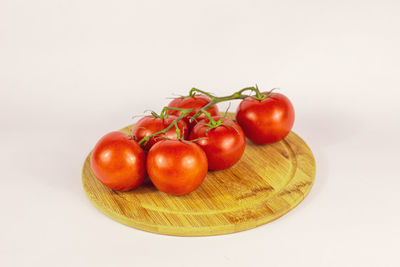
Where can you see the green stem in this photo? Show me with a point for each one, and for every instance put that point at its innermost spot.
(215, 100)
(178, 131)
(155, 115)
(193, 90)
(210, 118)
(246, 89)
(184, 112)
(163, 113)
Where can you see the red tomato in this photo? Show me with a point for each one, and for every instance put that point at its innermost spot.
(224, 146)
(118, 162)
(266, 121)
(149, 125)
(176, 167)
(196, 102)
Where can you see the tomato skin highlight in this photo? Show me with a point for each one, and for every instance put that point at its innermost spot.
(118, 162)
(176, 167)
(149, 125)
(266, 121)
(223, 145)
(196, 102)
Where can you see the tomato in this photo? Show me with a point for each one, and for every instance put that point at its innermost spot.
(149, 125)
(196, 102)
(223, 145)
(176, 167)
(118, 162)
(266, 121)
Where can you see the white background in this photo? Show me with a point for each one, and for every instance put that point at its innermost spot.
(73, 70)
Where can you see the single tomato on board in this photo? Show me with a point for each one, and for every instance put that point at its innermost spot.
(149, 125)
(266, 121)
(196, 102)
(118, 162)
(176, 167)
(224, 144)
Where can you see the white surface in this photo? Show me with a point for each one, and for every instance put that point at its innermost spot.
(71, 71)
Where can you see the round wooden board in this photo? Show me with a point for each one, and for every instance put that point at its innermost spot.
(265, 184)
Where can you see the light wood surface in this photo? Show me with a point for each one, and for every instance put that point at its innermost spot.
(265, 184)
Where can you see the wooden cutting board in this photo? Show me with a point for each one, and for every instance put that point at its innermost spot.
(265, 184)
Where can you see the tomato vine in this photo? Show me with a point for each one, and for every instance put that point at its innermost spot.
(218, 99)
(214, 100)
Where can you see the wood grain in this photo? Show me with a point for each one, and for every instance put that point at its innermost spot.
(265, 184)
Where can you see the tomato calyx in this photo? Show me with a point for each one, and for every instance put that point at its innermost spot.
(212, 123)
(163, 115)
(261, 96)
(181, 135)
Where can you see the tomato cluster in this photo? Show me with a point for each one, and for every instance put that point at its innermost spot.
(177, 148)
